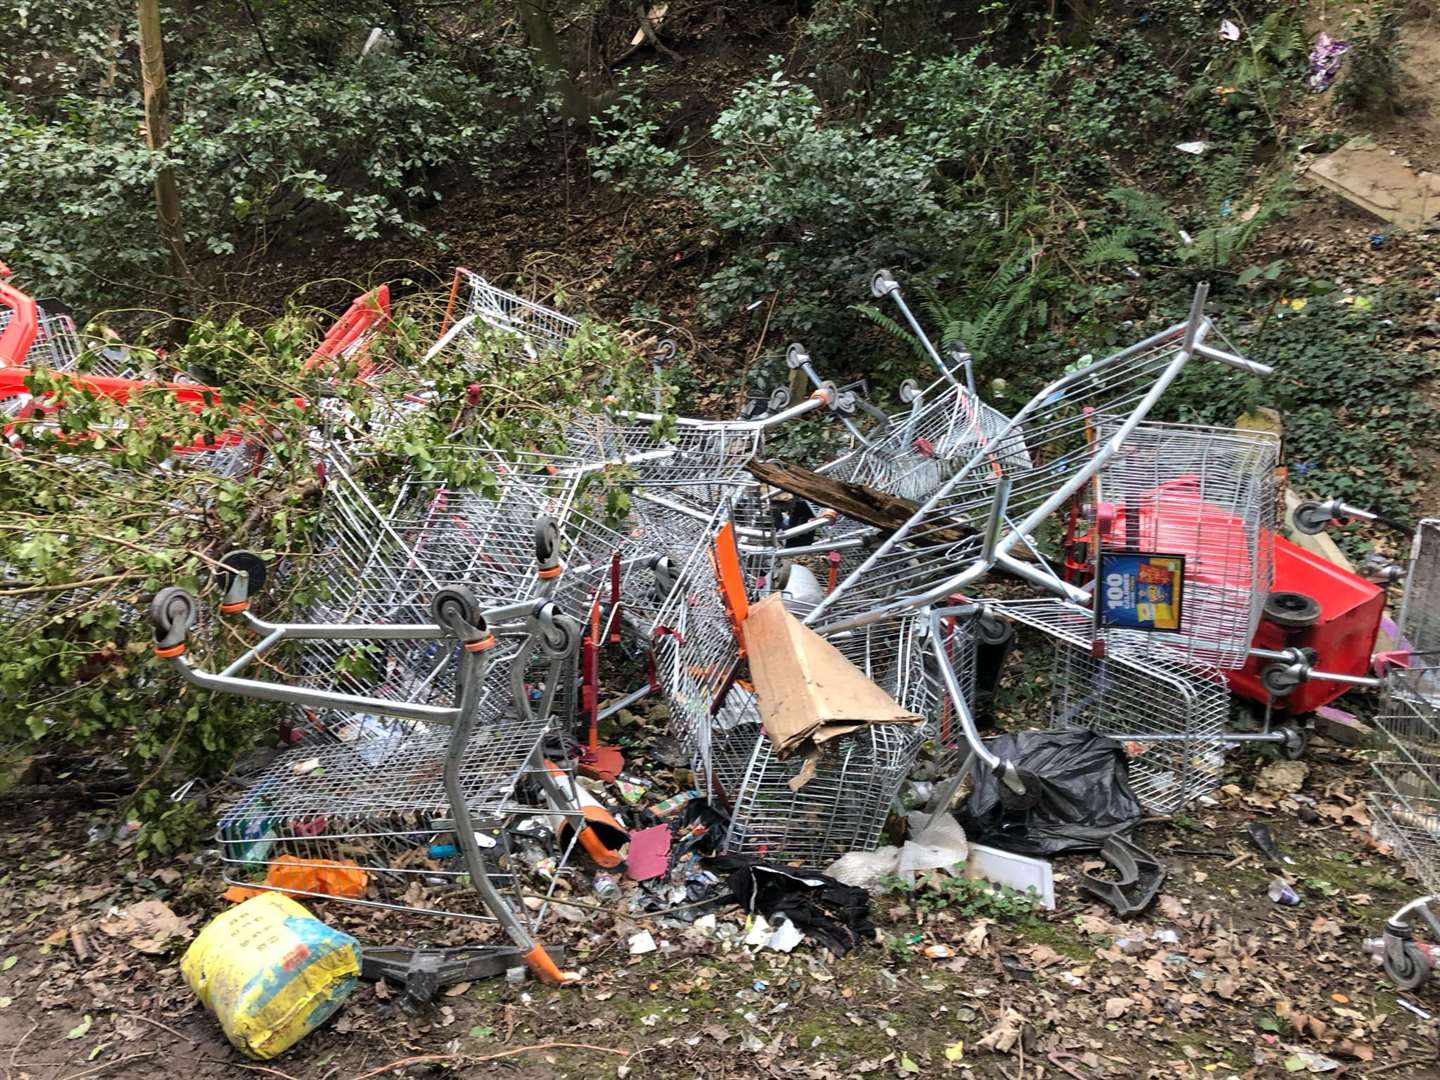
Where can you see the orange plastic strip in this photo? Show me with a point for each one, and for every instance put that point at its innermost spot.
(726, 555)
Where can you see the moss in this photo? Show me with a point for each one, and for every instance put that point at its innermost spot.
(1062, 937)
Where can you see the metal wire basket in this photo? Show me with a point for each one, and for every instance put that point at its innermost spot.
(535, 328)
(1205, 494)
(989, 508)
(1420, 608)
(1169, 715)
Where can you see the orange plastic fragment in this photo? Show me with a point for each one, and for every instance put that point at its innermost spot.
(329, 877)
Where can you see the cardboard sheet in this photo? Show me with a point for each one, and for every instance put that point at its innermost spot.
(807, 691)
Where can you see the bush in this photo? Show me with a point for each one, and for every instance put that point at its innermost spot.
(357, 150)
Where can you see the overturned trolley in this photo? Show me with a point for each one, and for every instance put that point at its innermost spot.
(416, 823)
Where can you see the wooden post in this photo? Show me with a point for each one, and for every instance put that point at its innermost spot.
(157, 134)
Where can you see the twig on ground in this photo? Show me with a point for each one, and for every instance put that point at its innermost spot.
(466, 1059)
(165, 1027)
(1430, 1060)
(108, 1064)
(252, 1068)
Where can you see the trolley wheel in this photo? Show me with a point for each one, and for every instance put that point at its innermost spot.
(991, 629)
(666, 578)
(882, 283)
(455, 606)
(1411, 971)
(1311, 518)
(1292, 610)
(561, 637)
(665, 351)
(795, 356)
(172, 614)
(242, 562)
(909, 391)
(547, 539)
(1294, 743)
(779, 398)
(1278, 679)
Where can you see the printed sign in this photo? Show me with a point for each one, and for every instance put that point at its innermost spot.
(1140, 591)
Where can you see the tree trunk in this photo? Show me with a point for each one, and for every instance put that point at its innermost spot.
(540, 29)
(157, 134)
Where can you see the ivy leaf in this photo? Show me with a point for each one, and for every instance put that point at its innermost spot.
(80, 1030)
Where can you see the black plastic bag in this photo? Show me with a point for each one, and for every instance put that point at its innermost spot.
(1080, 787)
(834, 914)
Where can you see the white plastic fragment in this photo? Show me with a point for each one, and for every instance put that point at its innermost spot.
(786, 936)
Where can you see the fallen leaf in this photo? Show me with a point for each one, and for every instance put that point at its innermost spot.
(80, 1030)
(975, 938)
(458, 989)
(1005, 1034)
(1283, 778)
(1117, 1007)
(9, 962)
(907, 1065)
(147, 926)
(955, 1051)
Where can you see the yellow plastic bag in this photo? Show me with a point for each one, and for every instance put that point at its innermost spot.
(270, 972)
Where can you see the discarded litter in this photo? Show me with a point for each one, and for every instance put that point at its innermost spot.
(788, 628)
(270, 972)
(1325, 56)
(1080, 789)
(1281, 892)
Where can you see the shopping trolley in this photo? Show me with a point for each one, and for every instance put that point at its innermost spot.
(352, 338)
(381, 816)
(1045, 455)
(1405, 801)
(31, 336)
(475, 303)
(698, 662)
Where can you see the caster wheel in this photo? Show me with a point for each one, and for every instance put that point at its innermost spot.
(1292, 610)
(561, 638)
(1311, 518)
(992, 629)
(453, 606)
(795, 356)
(172, 614)
(1278, 680)
(1411, 971)
(242, 562)
(547, 540)
(779, 399)
(1293, 746)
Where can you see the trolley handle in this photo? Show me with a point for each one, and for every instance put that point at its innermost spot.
(1251, 367)
(1018, 789)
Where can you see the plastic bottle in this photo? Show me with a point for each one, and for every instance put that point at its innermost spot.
(606, 886)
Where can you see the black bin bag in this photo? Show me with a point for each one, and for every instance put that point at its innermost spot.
(1080, 794)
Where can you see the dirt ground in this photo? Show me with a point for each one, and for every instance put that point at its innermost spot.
(1245, 988)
